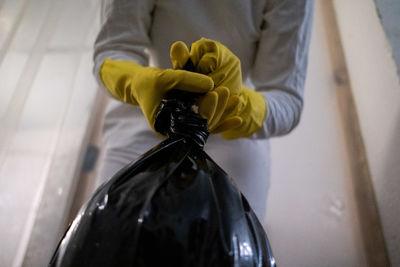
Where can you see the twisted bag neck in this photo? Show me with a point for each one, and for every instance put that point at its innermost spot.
(175, 118)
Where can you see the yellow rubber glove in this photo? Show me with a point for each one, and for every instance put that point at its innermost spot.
(146, 86)
(244, 111)
(217, 106)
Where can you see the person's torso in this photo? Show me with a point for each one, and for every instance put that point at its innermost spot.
(234, 23)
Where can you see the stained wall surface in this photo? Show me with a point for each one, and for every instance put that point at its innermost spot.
(47, 97)
(311, 213)
(370, 60)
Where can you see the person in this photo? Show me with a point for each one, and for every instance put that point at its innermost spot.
(251, 61)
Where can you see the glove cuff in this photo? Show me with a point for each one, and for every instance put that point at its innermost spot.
(253, 115)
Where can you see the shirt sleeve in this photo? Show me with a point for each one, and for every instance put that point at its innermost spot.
(280, 65)
(125, 32)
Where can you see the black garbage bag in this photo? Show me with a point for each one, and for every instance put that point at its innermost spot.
(173, 207)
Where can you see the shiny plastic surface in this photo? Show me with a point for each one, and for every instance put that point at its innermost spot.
(173, 207)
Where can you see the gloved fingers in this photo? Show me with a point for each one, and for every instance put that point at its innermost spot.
(179, 54)
(223, 96)
(217, 61)
(234, 106)
(200, 48)
(210, 64)
(184, 80)
(207, 63)
(207, 105)
(228, 124)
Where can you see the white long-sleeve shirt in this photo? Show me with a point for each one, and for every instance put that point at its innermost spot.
(271, 39)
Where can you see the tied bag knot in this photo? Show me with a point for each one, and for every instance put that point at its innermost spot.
(175, 118)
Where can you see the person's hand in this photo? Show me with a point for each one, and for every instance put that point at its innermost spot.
(146, 86)
(231, 109)
(213, 59)
(218, 106)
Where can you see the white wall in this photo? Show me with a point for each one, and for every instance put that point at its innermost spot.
(376, 90)
(311, 215)
(47, 95)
